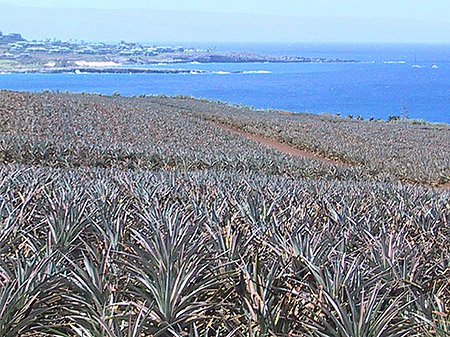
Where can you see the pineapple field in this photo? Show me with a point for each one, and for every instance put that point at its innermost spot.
(146, 216)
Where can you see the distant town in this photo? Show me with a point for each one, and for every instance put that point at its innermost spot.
(18, 46)
(20, 55)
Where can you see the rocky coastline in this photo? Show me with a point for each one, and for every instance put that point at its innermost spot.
(99, 70)
(130, 66)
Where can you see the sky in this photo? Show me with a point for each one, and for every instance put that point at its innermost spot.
(438, 10)
(232, 20)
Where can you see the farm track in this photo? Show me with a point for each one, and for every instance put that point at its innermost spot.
(382, 159)
(296, 152)
(281, 147)
(110, 204)
(445, 186)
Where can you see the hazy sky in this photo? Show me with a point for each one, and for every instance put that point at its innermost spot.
(415, 9)
(258, 20)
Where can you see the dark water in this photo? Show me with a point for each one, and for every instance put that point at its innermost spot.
(384, 83)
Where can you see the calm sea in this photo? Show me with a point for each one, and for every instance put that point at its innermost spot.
(382, 84)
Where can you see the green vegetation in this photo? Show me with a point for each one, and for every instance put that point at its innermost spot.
(7, 64)
(64, 130)
(141, 217)
(412, 152)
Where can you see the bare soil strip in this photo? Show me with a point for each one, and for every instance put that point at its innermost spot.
(282, 147)
(288, 149)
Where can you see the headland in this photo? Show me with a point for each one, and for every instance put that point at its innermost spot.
(18, 55)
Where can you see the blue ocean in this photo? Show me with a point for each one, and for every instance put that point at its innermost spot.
(387, 80)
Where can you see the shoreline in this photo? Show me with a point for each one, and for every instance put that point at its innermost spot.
(124, 68)
(100, 70)
(113, 64)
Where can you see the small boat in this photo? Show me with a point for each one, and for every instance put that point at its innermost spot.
(434, 66)
(415, 65)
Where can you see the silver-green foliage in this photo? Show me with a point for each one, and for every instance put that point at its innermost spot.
(113, 253)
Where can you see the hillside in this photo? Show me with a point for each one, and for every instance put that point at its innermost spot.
(150, 25)
(173, 216)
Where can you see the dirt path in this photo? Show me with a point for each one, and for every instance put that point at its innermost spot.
(288, 149)
(445, 186)
(282, 147)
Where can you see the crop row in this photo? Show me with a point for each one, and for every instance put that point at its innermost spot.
(95, 252)
(413, 152)
(67, 130)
